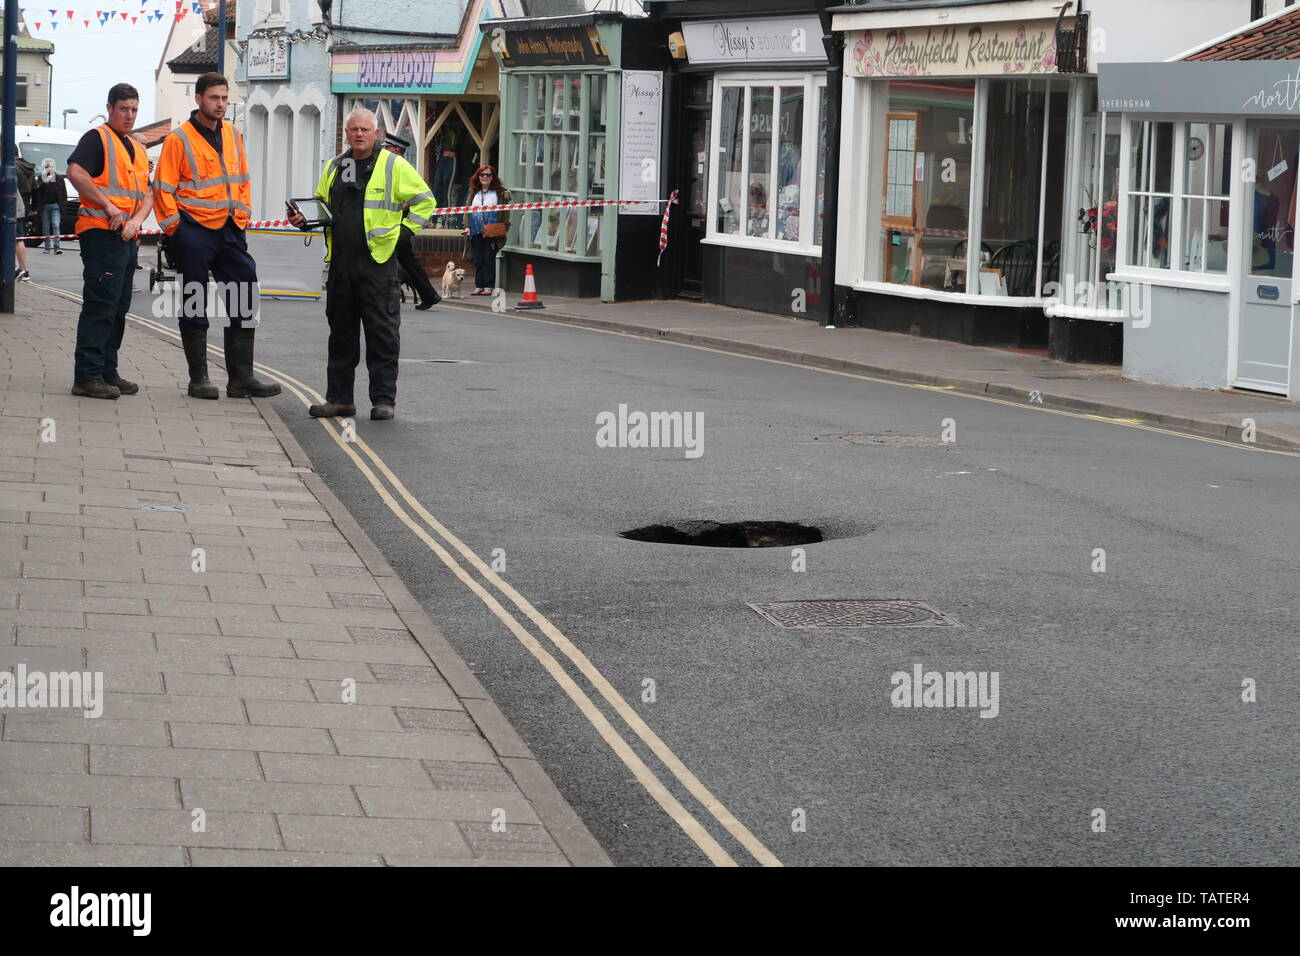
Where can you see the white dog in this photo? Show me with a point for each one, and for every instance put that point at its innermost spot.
(451, 280)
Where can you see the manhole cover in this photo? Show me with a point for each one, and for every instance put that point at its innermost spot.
(732, 534)
(912, 441)
(853, 613)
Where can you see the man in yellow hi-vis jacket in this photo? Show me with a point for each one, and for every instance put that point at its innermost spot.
(202, 198)
(365, 189)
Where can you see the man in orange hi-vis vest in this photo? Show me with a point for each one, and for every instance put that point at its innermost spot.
(111, 173)
(203, 200)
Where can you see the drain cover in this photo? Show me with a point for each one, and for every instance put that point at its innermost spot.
(912, 441)
(439, 361)
(164, 508)
(853, 613)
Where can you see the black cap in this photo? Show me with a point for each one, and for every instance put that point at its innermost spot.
(392, 139)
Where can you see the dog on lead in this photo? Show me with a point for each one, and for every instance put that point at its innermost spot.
(451, 280)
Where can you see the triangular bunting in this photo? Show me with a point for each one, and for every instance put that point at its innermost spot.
(125, 14)
(134, 19)
(69, 14)
(86, 22)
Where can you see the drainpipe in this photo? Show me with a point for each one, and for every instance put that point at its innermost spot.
(8, 175)
(834, 43)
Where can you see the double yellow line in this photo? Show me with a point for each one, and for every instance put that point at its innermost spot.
(408, 510)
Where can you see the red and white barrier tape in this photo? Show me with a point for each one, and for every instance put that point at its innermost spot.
(460, 210)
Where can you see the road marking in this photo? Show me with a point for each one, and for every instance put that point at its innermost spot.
(678, 813)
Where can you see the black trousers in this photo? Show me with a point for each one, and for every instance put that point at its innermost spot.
(484, 254)
(108, 269)
(197, 251)
(356, 297)
(413, 273)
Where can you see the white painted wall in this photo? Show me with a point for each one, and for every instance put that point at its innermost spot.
(1139, 30)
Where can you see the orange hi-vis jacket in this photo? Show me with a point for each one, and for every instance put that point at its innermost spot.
(190, 175)
(126, 183)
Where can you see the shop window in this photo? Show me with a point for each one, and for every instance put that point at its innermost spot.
(927, 183)
(557, 152)
(1096, 212)
(1150, 194)
(822, 133)
(1207, 171)
(764, 134)
(1179, 181)
(20, 92)
(1021, 211)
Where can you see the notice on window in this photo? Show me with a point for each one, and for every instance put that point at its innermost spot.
(640, 141)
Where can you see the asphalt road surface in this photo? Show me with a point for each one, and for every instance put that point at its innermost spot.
(1118, 691)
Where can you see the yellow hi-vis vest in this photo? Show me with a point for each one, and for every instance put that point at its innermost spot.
(393, 185)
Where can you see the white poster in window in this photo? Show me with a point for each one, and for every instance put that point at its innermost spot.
(639, 143)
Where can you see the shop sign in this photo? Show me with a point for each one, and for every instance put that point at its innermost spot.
(268, 58)
(573, 46)
(1204, 87)
(1013, 48)
(394, 70)
(639, 141)
(737, 42)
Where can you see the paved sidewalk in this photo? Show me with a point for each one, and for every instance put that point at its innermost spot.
(223, 690)
(1092, 389)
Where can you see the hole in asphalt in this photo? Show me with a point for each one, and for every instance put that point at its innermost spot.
(732, 534)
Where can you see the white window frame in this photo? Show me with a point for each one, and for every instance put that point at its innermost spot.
(1175, 275)
(870, 99)
(814, 84)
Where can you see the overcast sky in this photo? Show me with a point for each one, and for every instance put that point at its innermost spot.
(88, 60)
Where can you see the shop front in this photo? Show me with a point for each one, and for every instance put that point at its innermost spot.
(750, 114)
(582, 100)
(983, 179)
(1207, 211)
(442, 97)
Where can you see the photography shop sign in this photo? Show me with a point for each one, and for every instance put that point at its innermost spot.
(1203, 88)
(1013, 48)
(738, 42)
(567, 46)
(268, 58)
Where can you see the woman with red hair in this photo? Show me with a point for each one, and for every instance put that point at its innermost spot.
(486, 230)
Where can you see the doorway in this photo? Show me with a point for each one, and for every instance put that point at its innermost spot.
(1266, 330)
(693, 171)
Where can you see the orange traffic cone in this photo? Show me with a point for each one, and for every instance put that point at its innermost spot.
(530, 300)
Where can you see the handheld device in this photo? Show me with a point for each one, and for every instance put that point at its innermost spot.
(316, 212)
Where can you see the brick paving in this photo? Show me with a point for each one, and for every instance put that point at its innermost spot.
(224, 689)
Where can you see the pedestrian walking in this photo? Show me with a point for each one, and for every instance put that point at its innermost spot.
(26, 174)
(111, 173)
(204, 202)
(366, 189)
(486, 230)
(52, 193)
(412, 272)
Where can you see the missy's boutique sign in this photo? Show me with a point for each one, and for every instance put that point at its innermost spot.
(773, 40)
(978, 49)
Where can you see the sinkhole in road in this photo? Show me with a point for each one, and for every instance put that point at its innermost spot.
(729, 534)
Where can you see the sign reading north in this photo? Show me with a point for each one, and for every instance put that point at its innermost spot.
(980, 49)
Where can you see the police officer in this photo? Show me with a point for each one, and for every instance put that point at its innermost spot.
(203, 198)
(111, 174)
(412, 272)
(366, 190)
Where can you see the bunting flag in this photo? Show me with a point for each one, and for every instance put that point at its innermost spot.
(69, 14)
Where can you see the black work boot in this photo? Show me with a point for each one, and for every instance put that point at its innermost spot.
(94, 389)
(239, 366)
(195, 341)
(122, 385)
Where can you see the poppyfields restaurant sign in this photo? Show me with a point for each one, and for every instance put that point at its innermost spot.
(978, 49)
